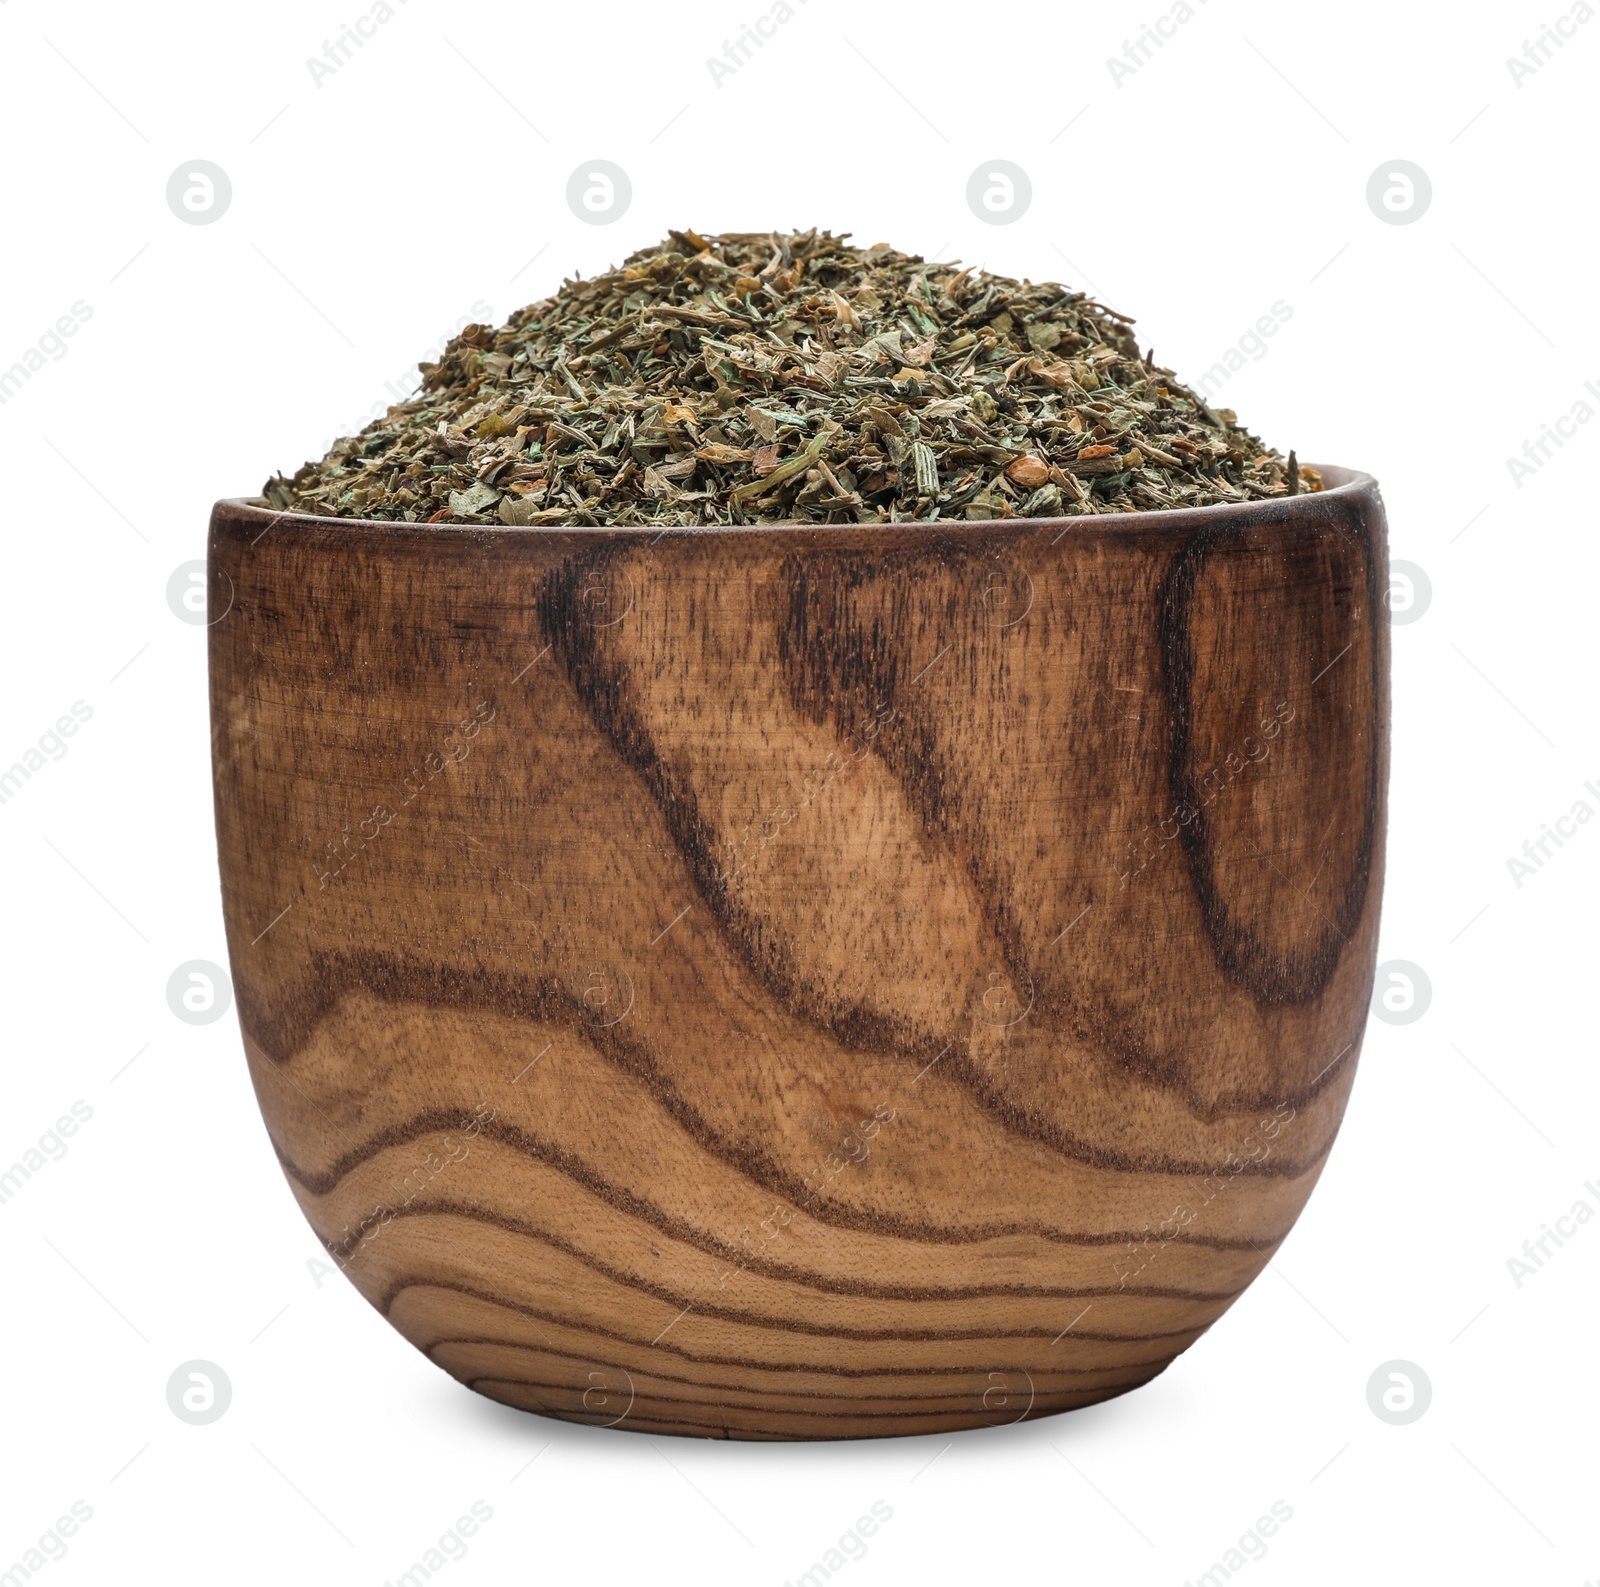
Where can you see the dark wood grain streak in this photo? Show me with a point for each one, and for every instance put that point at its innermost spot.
(422, 1125)
(1131, 1372)
(788, 1274)
(684, 958)
(1250, 559)
(901, 1406)
(745, 1366)
(330, 977)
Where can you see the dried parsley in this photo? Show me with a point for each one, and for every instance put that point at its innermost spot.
(755, 378)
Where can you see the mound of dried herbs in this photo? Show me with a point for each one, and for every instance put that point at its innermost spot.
(754, 378)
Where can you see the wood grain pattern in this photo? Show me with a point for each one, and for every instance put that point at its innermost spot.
(814, 982)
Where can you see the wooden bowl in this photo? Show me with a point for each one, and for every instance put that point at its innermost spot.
(803, 982)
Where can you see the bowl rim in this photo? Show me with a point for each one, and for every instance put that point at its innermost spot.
(1341, 484)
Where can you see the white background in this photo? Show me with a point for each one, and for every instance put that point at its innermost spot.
(369, 214)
